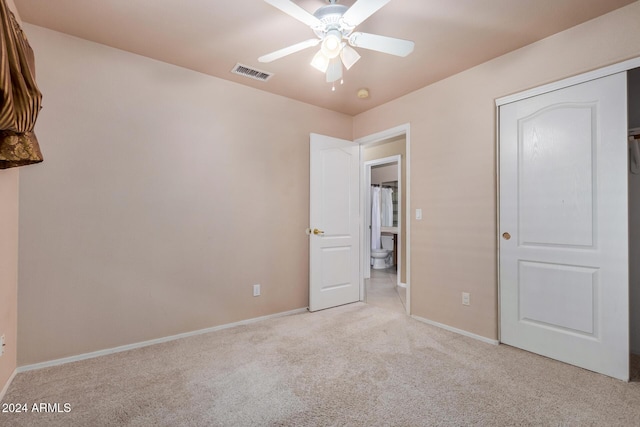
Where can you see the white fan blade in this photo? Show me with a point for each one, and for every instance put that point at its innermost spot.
(289, 50)
(361, 10)
(296, 12)
(383, 44)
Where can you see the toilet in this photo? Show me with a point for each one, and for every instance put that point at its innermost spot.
(382, 258)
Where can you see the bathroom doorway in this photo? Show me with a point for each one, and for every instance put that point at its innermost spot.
(384, 159)
(383, 287)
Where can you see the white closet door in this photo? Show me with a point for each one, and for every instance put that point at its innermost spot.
(564, 284)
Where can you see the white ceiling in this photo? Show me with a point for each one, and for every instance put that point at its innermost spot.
(211, 36)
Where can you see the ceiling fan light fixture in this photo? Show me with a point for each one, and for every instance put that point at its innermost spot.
(334, 71)
(332, 44)
(320, 62)
(349, 56)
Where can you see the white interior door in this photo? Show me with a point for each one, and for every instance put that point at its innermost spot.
(334, 248)
(564, 281)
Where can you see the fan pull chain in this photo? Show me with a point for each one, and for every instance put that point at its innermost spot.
(333, 85)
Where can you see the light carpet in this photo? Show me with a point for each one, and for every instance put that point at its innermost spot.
(354, 365)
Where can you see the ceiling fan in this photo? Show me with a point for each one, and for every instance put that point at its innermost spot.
(333, 25)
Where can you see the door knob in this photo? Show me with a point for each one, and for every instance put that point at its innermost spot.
(315, 231)
(506, 236)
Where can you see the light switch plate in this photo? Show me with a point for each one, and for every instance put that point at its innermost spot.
(466, 298)
(418, 213)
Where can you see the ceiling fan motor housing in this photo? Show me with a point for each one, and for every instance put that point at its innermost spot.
(331, 16)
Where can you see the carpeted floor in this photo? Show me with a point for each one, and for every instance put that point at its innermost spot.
(354, 365)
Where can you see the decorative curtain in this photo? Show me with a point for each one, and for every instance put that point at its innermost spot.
(20, 99)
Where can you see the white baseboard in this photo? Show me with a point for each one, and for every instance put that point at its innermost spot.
(127, 347)
(6, 386)
(456, 330)
(402, 285)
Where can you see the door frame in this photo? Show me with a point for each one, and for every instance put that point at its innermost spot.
(404, 129)
(550, 87)
(366, 254)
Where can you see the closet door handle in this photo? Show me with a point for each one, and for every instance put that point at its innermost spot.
(506, 236)
(315, 231)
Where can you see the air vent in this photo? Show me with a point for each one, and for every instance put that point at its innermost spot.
(244, 70)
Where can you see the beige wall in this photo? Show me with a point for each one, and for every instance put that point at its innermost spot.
(387, 173)
(453, 162)
(393, 147)
(166, 194)
(9, 262)
(8, 270)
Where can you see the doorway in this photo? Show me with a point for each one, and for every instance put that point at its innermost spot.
(377, 151)
(633, 102)
(382, 215)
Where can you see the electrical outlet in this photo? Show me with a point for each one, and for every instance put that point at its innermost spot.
(466, 298)
(256, 290)
(1, 345)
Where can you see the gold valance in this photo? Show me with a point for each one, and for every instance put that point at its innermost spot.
(20, 99)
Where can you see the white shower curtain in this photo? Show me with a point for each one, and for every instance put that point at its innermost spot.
(375, 218)
(386, 207)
